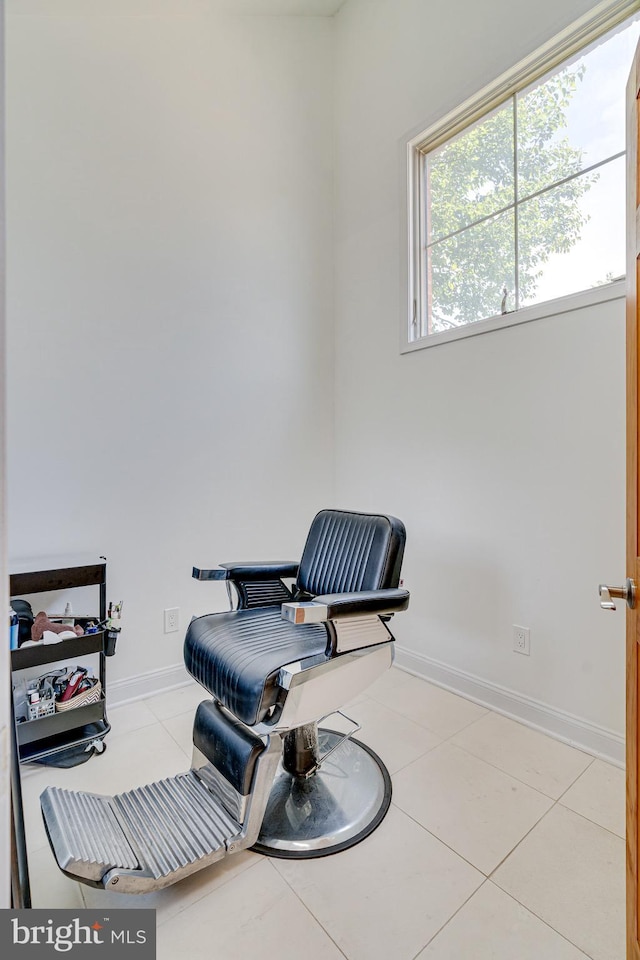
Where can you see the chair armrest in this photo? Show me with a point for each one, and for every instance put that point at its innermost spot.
(266, 570)
(334, 606)
(262, 570)
(217, 574)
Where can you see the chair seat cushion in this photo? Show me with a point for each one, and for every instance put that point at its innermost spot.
(237, 655)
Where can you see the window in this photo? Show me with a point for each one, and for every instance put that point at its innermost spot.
(519, 198)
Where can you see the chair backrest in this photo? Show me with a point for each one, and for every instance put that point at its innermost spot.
(348, 551)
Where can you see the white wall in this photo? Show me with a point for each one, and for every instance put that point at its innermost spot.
(169, 295)
(503, 453)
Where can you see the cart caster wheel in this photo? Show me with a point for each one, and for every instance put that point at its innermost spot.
(97, 747)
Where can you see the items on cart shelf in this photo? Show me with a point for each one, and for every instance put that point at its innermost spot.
(114, 615)
(68, 615)
(40, 699)
(44, 624)
(13, 629)
(57, 691)
(25, 619)
(25, 630)
(80, 692)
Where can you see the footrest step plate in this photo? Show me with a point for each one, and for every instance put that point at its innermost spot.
(150, 836)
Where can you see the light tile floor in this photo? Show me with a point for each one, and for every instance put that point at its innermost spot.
(500, 844)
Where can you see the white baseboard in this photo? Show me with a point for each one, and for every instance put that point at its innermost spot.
(573, 730)
(146, 684)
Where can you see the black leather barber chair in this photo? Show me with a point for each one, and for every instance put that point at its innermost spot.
(263, 775)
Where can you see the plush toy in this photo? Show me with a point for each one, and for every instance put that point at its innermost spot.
(42, 623)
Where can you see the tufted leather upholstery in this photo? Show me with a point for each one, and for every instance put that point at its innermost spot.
(237, 655)
(348, 551)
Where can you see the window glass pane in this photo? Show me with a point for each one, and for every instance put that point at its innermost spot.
(468, 276)
(471, 176)
(576, 117)
(572, 237)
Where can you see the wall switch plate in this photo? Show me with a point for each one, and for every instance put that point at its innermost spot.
(521, 640)
(172, 620)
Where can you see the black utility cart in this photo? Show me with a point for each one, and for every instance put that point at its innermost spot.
(84, 726)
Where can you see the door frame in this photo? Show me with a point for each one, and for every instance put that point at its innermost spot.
(633, 535)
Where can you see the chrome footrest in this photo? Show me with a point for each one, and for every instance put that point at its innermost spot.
(141, 840)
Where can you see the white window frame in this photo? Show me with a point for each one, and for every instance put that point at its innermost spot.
(562, 47)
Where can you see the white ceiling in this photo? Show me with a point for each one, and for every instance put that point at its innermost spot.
(299, 8)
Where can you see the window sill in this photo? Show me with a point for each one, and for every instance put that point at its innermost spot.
(539, 311)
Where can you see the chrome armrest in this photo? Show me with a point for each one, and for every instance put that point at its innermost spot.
(354, 620)
(337, 606)
(217, 574)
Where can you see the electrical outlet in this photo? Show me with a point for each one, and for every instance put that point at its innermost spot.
(521, 640)
(172, 620)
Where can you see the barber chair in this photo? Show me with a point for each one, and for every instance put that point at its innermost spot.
(263, 775)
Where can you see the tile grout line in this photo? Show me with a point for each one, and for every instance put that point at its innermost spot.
(518, 779)
(440, 840)
(491, 876)
(487, 711)
(208, 893)
(175, 739)
(449, 739)
(507, 894)
(308, 909)
(541, 919)
(573, 782)
(594, 823)
(430, 729)
(539, 821)
(521, 840)
(493, 767)
(186, 687)
(454, 914)
(401, 716)
(421, 756)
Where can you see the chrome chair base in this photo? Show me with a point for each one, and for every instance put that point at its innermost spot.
(334, 808)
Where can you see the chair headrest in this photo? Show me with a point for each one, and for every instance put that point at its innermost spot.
(347, 551)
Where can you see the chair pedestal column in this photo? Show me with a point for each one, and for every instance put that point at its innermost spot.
(300, 752)
(318, 807)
